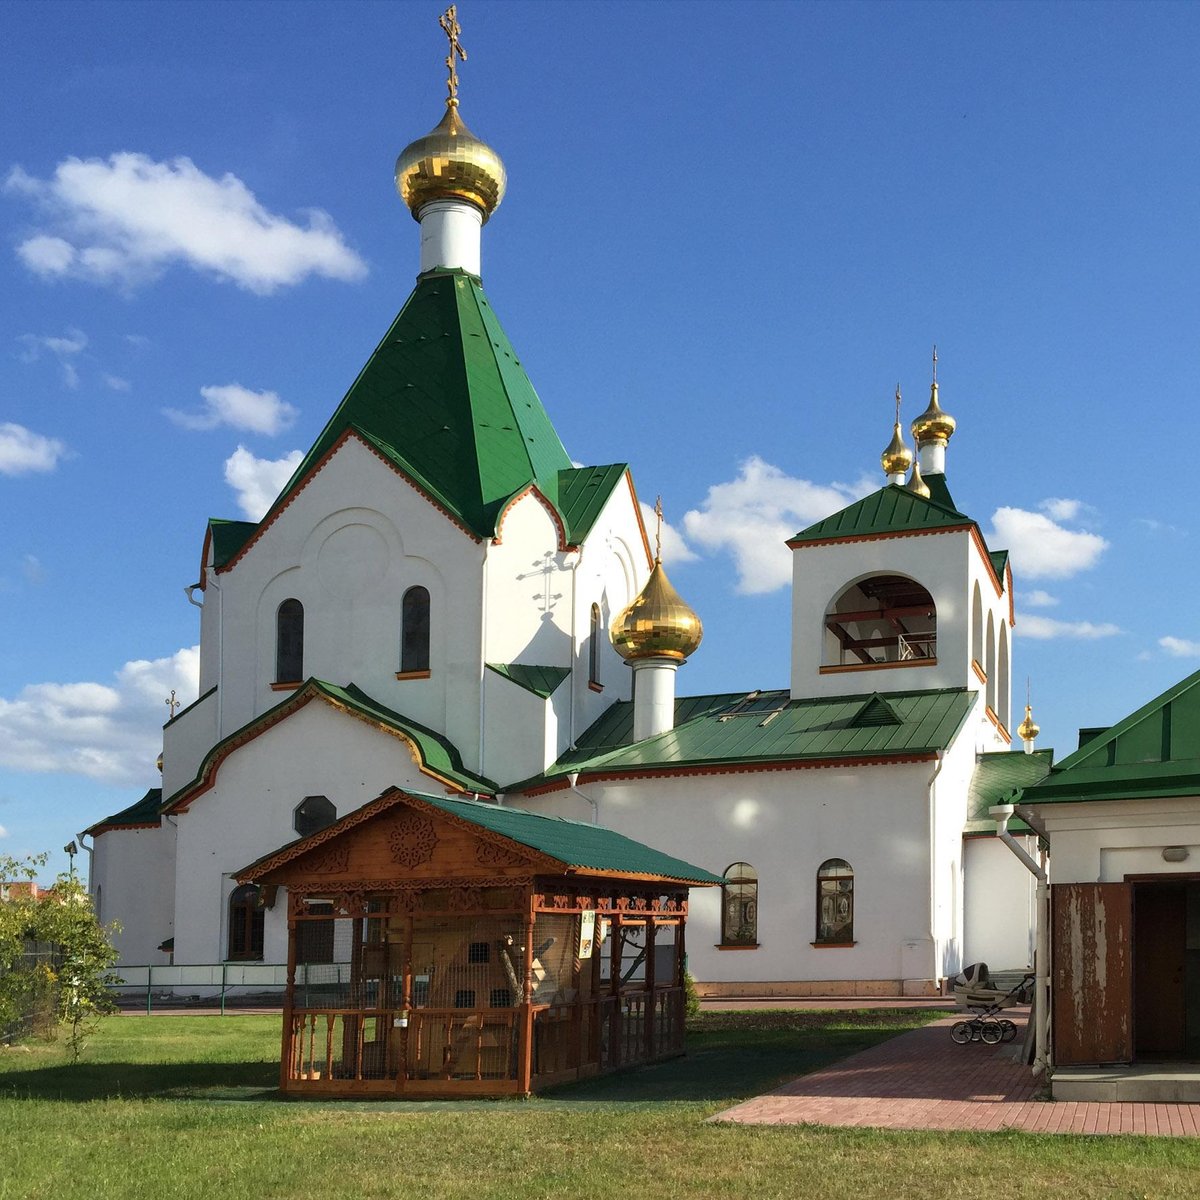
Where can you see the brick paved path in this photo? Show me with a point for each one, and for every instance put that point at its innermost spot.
(922, 1080)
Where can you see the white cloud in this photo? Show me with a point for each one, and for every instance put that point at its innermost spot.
(64, 348)
(126, 220)
(32, 569)
(1046, 628)
(108, 732)
(752, 516)
(116, 383)
(1062, 510)
(674, 548)
(1041, 548)
(22, 451)
(1180, 647)
(3, 832)
(1039, 599)
(258, 481)
(239, 408)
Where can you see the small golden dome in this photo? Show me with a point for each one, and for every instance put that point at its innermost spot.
(897, 458)
(158, 762)
(915, 483)
(1027, 731)
(450, 163)
(658, 624)
(933, 425)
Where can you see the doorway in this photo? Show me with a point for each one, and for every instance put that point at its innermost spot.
(1166, 969)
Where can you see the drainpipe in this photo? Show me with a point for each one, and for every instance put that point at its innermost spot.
(189, 592)
(572, 560)
(1001, 814)
(937, 770)
(483, 608)
(572, 780)
(91, 860)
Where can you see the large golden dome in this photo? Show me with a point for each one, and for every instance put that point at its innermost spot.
(658, 624)
(450, 163)
(933, 425)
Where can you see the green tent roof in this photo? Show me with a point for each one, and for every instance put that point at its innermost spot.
(143, 813)
(1154, 751)
(892, 509)
(996, 778)
(769, 727)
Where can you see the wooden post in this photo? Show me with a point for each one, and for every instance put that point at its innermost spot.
(651, 1007)
(406, 1002)
(287, 1055)
(614, 983)
(525, 1062)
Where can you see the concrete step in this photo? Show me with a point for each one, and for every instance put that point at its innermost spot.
(1140, 1083)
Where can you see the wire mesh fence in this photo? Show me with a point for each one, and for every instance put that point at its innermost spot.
(29, 992)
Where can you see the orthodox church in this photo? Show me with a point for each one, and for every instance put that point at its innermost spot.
(377, 630)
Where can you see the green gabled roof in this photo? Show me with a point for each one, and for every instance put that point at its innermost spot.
(437, 754)
(143, 813)
(768, 727)
(996, 778)
(445, 398)
(999, 562)
(587, 847)
(582, 493)
(1154, 751)
(892, 509)
(228, 537)
(541, 681)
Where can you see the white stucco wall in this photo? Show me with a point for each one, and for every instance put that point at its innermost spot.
(1000, 903)
(135, 872)
(186, 740)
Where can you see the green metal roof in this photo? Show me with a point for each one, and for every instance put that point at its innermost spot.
(437, 754)
(583, 492)
(228, 537)
(588, 847)
(541, 681)
(892, 509)
(144, 812)
(999, 562)
(1154, 751)
(769, 727)
(996, 778)
(445, 398)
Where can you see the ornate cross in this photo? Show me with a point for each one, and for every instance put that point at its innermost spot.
(897, 404)
(172, 704)
(658, 532)
(935, 364)
(450, 26)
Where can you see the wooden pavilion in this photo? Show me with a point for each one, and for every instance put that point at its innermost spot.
(447, 947)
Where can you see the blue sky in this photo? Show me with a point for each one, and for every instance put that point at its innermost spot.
(730, 229)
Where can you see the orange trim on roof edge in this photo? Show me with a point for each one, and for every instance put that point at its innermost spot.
(603, 776)
(346, 434)
(793, 544)
(110, 827)
(981, 546)
(183, 799)
(637, 510)
(1012, 612)
(532, 489)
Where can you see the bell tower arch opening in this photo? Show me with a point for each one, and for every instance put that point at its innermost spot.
(880, 621)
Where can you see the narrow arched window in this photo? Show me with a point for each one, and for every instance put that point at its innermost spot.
(990, 668)
(245, 923)
(98, 907)
(739, 906)
(594, 648)
(289, 642)
(977, 628)
(312, 814)
(1002, 683)
(835, 902)
(414, 631)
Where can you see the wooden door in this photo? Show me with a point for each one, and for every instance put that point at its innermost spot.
(1092, 977)
(1160, 939)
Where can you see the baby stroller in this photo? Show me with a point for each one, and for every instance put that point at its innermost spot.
(980, 995)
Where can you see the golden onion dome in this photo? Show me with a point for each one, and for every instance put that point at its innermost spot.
(450, 163)
(933, 425)
(1027, 731)
(916, 484)
(897, 458)
(658, 624)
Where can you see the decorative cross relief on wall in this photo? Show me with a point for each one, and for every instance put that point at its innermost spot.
(411, 839)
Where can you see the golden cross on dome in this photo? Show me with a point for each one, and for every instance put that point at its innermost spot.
(172, 704)
(450, 26)
(897, 404)
(935, 364)
(658, 532)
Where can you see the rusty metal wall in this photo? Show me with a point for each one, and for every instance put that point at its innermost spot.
(1092, 978)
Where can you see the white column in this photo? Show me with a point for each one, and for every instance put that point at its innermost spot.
(933, 458)
(898, 477)
(653, 696)
(450, 235)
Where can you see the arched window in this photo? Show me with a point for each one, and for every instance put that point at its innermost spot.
(97, 908)
(739, 906)
(977, 627)
(313, 813)
(245, 923)
(990, 666)
(594, 648)
(1002, 684)
(414, 631)
(289, 642)
(879, 622)
(835, 902)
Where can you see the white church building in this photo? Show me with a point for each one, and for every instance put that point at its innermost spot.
(439, 600)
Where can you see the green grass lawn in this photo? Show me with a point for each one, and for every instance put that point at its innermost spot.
(182, 1107)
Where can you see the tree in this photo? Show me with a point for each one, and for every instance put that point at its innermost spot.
(79, 975)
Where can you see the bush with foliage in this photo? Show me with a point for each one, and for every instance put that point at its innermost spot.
(77, 979)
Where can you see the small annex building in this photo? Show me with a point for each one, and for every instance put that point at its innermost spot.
(447, 947)
(1121, 816)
